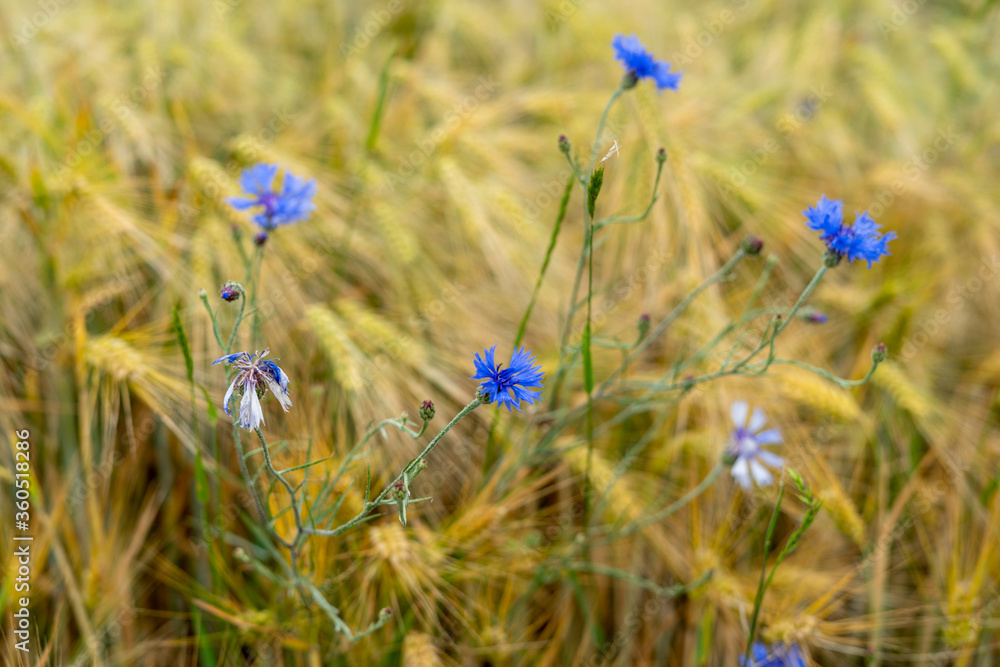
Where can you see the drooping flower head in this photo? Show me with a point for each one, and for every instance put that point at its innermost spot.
(289, 205)
(255, 375)
(779, 655)
(746, 446)
(641, 64)
(509, 385)
(858, 241)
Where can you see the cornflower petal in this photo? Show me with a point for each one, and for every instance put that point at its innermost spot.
(757, 421)
(860, 240)
(509, 386)
(292, 203)
(641, 64)
(738, 413)
(255, 375)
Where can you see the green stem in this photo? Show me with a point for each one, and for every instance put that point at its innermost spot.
(830, 376)
(642, 582)
(253, 488)
(769, 340)
(215, 322)
(604, 222)
(762, 585)
(281, 478)
(383, 88)
(673, 507)
(239, 319)
(545, 264)
(583, 254)
(254, 278)
(371, 505)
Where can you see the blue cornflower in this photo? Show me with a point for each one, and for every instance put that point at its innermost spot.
(254, 377)
(292, 204)
(779, 655)
(858, 241)
(510, 385)
(640, 63)
(745, 446)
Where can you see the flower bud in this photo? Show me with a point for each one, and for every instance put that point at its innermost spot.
(643, 325)
(231, 291)
(752, 245)
(879, 353)
(399, 492)
(237, 233)
(661, 156)
(385, 613)
(812, 315)
(564, 144)
(427, 410)
(260, 239)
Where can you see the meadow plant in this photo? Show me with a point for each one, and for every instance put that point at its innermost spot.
(634, 510)
(610, 400)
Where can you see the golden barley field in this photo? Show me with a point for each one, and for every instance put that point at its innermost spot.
(431, 130)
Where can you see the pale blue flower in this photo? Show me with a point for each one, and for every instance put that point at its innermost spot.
(746, 446)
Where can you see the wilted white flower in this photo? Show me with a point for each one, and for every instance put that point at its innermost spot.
(254, 377)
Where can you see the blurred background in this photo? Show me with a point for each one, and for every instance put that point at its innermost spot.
(431, 131)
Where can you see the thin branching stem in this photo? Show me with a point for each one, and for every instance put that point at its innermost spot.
(409, 468)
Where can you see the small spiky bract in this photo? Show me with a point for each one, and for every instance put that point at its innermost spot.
(641, 64)
(509, 386)
(289, 205)
(746, 446)
(254, 377)
(860, 240)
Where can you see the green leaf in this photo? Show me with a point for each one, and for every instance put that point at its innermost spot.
(989, 490)
(588, 363)
(213, 414)
(178, 328)
(200, 478)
